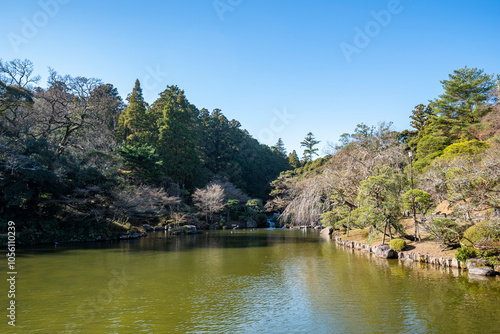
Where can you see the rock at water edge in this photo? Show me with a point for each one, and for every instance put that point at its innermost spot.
(386, 252)
(483, 271)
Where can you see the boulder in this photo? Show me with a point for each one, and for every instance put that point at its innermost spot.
(251, 224)
(455, 263)
(191, 228)
(476, 263)
(326, 232)
(483, 271)
(386, 252)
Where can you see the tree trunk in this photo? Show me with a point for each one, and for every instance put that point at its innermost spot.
(415, 220)
(348, 220)
(385, 230)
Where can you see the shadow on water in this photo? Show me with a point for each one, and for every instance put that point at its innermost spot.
(161, 241)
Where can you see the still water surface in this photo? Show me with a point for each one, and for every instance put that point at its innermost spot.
(262, 281)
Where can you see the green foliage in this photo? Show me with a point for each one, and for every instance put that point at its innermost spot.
(331, 219)
(483, 235)
(61, 150)
(142, 162)
(447, 231)
(465, 253)
(234, 207)
(253, 209)
(226, 150)
(398, 244)
(466, 95)
(420, 116)
(471, 147)
(279, 147)
(293, 159)
(176, 144)
(309, 142)
(420, 198)
(134, 125)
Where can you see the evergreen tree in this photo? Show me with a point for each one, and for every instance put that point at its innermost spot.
(420, 116)
(466, 95)
(293, 159)
(279, 147)
(176, 136)
(141, 162)
(309, 143)
(133, 123)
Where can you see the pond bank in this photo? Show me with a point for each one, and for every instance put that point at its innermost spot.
(442, 261)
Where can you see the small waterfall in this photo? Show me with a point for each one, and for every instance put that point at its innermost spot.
(271, 223)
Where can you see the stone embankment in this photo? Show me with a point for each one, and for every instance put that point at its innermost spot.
(384, 251)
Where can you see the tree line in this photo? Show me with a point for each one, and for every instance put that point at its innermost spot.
(76, 159)
(444, 172)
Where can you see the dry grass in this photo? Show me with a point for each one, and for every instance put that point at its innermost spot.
(426, 246)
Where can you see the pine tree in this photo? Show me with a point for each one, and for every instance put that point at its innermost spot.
(420, 116)
(309, 143)
(293, 159)
(466, 95)
(133, 123)
(279, 147)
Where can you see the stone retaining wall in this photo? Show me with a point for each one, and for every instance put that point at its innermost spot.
(404, 256)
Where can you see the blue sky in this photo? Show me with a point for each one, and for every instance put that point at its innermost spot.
(276, 66)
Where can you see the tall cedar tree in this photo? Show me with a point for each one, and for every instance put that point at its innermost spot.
(309, 143)
(176, 119)
(133, 124)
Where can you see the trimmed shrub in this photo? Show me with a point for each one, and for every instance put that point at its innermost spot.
(483, 235)
(465, 253)
(398, 244)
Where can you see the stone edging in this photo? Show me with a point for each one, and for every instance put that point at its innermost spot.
(445, 262)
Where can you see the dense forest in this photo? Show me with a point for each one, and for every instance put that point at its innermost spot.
(444, 173)
(77, 162)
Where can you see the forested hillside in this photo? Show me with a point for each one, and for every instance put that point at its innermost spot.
(76, 159)
(376, 176)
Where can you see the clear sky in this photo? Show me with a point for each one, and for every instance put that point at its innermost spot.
(282, 68)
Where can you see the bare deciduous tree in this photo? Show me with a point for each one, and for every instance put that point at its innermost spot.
(209, 200)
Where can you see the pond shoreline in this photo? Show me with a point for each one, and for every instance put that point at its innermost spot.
(445, 262)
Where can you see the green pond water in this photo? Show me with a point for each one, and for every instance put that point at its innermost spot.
(260, 281)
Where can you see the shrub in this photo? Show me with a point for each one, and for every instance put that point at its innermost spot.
(484, 235)
(398, 244)
(445, 230)
(465, 253)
